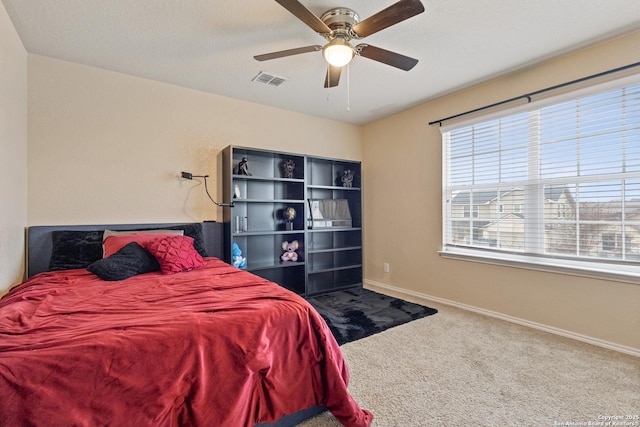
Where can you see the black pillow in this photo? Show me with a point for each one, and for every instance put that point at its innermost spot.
(131, 260)
(74, 249)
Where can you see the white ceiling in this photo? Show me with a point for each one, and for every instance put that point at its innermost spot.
(209, 45)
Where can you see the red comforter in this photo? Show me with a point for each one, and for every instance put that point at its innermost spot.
(215, 346)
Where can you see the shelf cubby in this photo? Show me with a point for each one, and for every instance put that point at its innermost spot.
(328, 260)
(251, 188)
(266, 164)
(331, 280)
(289, 278)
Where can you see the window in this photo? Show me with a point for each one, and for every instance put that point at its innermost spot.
(610, 242)
(556, 182)
(467, 210)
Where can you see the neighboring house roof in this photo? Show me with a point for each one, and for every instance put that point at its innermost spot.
(479, 197)
(554, 193)
(487, 196)
(512, 216)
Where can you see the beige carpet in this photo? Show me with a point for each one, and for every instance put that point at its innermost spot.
(458, 368)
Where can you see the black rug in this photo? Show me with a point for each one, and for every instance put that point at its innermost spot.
(356, 313)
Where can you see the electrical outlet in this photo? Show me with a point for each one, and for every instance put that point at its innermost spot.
(385, 267)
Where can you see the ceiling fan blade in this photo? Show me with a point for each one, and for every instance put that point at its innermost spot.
(333, 76)
(397, 12)
(386, 57)
(305, 15)
(288, 52)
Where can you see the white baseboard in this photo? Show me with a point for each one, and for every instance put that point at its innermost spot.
(377, 286)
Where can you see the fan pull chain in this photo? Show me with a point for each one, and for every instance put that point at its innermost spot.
(348, 87)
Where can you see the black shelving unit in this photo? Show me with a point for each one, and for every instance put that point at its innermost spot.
(329, 253)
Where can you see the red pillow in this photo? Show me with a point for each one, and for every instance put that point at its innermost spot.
(175, 253)
(113, 244)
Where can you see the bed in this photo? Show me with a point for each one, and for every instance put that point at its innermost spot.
(205, 345)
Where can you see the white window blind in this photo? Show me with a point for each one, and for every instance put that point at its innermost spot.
(555, 180)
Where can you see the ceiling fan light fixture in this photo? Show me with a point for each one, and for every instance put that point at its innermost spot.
(338, 52)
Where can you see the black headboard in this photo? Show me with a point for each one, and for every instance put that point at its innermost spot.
(39, 240)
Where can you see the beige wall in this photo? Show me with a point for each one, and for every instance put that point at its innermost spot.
(106, 147)
(13, 146)
(404, 152)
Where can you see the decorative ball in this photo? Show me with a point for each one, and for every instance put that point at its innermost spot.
(289, 214)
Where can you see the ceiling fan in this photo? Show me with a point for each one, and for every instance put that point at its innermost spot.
(341, 25)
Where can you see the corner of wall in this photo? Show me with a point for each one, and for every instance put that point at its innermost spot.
(13, 158)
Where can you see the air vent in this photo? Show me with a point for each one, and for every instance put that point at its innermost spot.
(269, 79)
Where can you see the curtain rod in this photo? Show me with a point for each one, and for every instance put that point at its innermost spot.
(537, 92)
